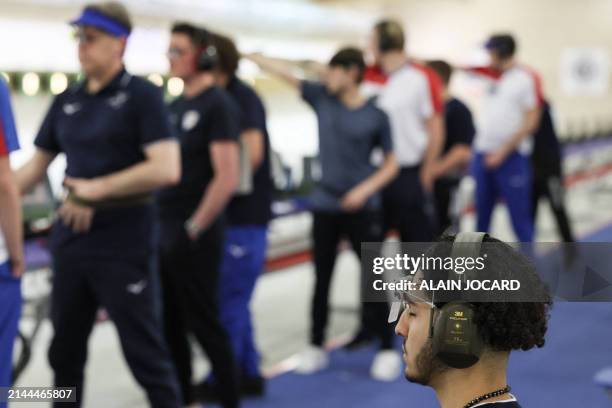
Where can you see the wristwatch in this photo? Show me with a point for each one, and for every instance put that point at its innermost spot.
(192, 228)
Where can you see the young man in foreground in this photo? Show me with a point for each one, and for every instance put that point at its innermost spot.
(500, 327)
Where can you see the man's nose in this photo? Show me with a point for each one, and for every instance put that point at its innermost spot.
(401, 328)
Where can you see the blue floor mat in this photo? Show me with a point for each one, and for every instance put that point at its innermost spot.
(579, 343)
(560, 375)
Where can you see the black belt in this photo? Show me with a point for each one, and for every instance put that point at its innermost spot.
(119, 202)
(410, 169)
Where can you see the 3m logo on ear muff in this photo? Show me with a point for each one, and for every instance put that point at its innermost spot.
(458, 313)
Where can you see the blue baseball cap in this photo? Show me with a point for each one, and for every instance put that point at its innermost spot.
(504, 44)
(98, 20)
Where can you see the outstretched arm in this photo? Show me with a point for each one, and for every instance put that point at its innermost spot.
(280, 68)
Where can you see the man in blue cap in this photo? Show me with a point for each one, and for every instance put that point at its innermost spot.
(503, 143)
(113, 129)
(11, 241)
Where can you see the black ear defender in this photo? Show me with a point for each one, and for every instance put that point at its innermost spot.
(207, 58)
(454, 334)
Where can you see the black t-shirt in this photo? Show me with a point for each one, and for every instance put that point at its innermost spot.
(459, 130)
(100, 134)
(254, 208)
(459, 124)
(198, 121)
(546, 155)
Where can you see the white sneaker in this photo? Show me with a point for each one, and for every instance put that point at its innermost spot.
(386, 366)
(311, 360)
(604, 377)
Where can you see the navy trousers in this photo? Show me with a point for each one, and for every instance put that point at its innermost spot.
(126, 288)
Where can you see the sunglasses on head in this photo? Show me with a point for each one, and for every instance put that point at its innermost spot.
(404, 299)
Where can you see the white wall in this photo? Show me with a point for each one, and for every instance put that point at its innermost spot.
(454, 30)
(37, 38)
(451, 29)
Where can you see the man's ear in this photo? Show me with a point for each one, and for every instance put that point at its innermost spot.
(123, 43)
(354, 73)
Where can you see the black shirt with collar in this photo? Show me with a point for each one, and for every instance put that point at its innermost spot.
(253, 208)
(198, 122)
(102, 133)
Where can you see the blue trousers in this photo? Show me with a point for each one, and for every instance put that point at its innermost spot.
(10, 311)
(510, 181)
(243, 261)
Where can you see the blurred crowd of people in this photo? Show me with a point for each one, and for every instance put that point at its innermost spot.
(165, 215)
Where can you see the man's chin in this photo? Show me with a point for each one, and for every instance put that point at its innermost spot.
(415, 378)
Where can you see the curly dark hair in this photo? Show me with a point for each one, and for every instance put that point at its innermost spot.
(507, 324)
